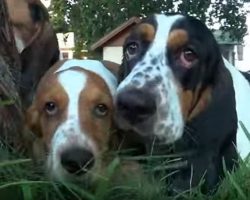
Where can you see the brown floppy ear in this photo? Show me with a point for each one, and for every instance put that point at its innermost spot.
(32, 121)
(111, 66)
(28, 17)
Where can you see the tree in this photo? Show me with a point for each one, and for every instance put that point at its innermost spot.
(91, 20)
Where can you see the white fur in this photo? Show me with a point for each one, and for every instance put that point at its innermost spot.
(242, 97)
(69, 132)
(170, 103)
(20, 45)
(95, 67)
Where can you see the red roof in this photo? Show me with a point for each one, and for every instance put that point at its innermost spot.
(101, 42)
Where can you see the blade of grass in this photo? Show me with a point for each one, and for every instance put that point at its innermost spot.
(23, 182)
(103, 184)
(233, 182)
(14, 162)
(237, 187)
(74, 188)
(245, 130)
(27, 192)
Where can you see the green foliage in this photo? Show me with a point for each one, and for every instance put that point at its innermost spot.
(59, 11)
(90, 20)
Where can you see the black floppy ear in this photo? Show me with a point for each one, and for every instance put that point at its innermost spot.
(111, 66)
(123, 72)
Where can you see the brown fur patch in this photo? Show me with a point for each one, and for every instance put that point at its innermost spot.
(96, 92)
(20, 17)
(111, 66)
(36, 118)
(146, 31)
(191, 105)
(177, 38)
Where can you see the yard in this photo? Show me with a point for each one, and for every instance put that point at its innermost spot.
(20, 179)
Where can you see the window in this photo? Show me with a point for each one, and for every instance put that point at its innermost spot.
(65, 55)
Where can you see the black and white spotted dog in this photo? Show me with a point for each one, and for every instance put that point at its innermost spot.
(176, 87)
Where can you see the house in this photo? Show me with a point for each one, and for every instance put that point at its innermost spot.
(66, 44)
(243, 63)
(110, 45)
(66, 41)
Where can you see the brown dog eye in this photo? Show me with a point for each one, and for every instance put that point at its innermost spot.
(188, 57)
(50, 108)
(132, 50)
(101, 110)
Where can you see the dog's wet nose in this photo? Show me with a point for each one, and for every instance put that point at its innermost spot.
(77, 160)
(135, 105)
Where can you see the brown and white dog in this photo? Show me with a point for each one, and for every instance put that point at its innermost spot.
(36, 42)
(72, 114)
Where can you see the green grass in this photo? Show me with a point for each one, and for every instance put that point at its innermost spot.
(20, 179)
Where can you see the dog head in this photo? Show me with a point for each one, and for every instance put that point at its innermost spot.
(168, 69)
(72, 114)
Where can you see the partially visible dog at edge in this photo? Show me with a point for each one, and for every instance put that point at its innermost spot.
(36, 43)
(177, 91)
(72, 117)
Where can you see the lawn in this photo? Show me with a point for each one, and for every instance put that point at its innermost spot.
(20, 179)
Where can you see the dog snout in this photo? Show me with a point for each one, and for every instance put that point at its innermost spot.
(135, 105)
(77, 160)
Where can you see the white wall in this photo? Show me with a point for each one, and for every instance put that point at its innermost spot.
(244, 65)
(113, 54)
(46, 2)
(66, 40)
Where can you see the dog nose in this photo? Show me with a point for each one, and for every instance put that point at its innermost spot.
(135, 105)
(77, 160)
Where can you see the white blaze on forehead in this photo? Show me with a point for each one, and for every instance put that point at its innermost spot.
(164, 25)
(242, 97)
(95, 67)
(69, 132)
(170, 126)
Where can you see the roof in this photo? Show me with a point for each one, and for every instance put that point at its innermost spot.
(109, 36)
(222, 38)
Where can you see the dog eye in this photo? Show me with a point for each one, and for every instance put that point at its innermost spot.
(187, 57)
(50, 108)
(101, 110)
(132, 50)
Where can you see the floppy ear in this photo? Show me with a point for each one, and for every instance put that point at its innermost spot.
(111, 66)
(32, 121)
(27, 18)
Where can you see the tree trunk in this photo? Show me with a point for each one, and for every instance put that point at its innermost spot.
(10, 106)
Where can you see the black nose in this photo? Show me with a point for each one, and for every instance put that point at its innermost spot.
(77, 160)
(135, 105)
